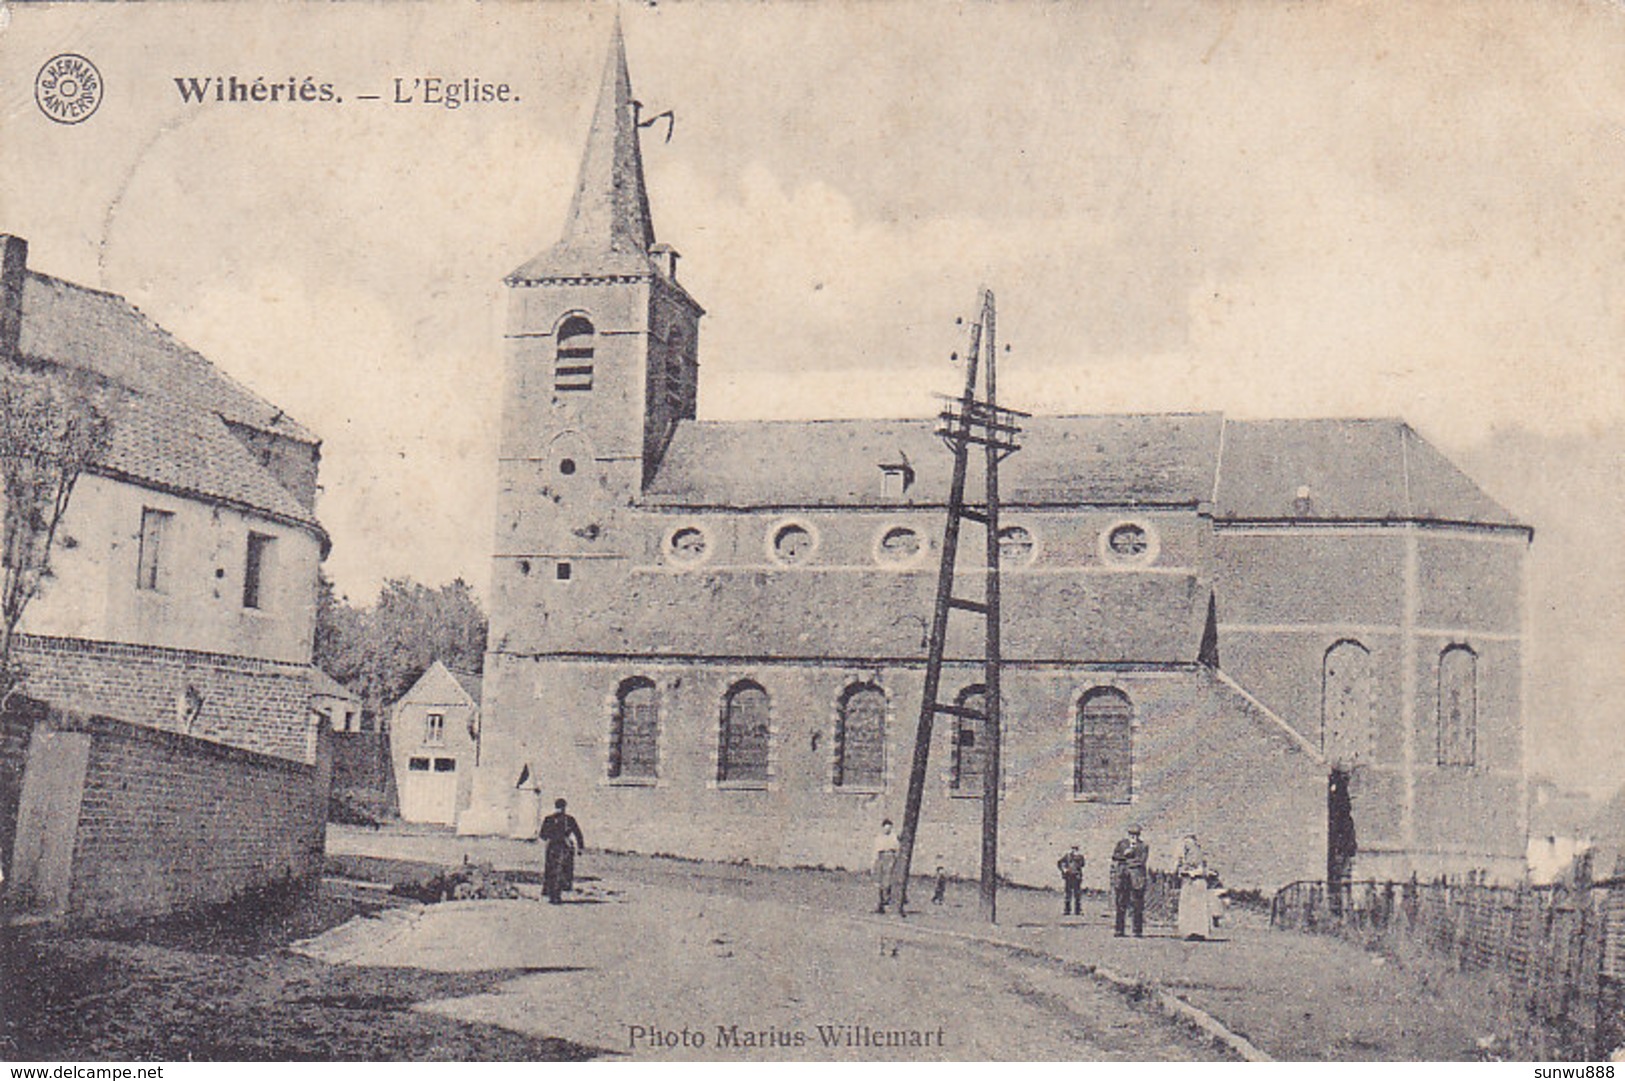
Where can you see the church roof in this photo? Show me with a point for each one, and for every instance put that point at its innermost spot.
(1366, 470)
(1134, 459)
(1361, 470)
(608, 231)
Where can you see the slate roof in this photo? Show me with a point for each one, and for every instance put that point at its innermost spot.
(438, 683)
(323, 684)
(1365, 470)
(169, 429)
(608, 231)
(1133, 460)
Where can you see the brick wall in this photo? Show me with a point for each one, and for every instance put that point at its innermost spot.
(253, 704)
(169, 821)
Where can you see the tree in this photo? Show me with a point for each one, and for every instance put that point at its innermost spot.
(380, 651)
(54, 424)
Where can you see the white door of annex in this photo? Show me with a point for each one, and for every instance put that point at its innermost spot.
(429, 792)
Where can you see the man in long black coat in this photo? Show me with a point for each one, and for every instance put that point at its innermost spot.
(1128, 879)
(558, 830)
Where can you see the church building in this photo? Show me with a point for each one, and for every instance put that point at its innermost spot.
(1300, 640)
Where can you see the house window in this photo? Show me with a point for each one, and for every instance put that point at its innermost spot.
(445, 765)
(970, 746)
(743, 743)
(256, 568)
(1104, 770)
(635, 731)
(434, 728)
(150, 562)
(1346, 729)
(418, 765)
(860, 737)
(1458, 707)
(572, 369)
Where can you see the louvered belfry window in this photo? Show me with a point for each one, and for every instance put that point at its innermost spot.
(860, 737)
(743, 745)
(572, 370)
(1105, 757)
(634, 738)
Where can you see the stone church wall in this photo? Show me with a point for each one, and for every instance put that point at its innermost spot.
(1204, 762)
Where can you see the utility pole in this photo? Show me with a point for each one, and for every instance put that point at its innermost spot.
(967, 421)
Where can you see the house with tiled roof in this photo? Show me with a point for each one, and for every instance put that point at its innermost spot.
(434, 735)
(183, 588)
(1301, 640)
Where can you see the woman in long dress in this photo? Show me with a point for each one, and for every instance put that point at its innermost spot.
(1195, 899)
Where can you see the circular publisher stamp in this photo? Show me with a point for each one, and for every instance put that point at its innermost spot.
(68, 89)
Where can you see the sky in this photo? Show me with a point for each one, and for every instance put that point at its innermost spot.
(1264, 208)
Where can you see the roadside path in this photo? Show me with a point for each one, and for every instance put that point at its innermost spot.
(1293, 996)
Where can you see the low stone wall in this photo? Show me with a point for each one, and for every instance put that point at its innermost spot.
(116, 819)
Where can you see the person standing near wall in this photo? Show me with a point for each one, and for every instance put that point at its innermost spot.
(1195, 899)
(886, 848)
(1128, 880)
(559, 830)
(1071, 867)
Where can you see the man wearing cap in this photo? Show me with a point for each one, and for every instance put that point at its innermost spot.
(1128, 879)
(1071, 867)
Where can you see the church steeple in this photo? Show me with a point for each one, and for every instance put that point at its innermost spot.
(608, 231)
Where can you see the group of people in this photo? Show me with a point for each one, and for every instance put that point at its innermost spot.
(1198, 894)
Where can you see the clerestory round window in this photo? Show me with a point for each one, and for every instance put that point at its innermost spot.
(687, 545)
(1016, 545)
(899, 545)
(793, 542)
(1128, 543)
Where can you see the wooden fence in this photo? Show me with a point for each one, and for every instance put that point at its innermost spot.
(1559, 951)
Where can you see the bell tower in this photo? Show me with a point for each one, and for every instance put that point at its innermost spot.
(601, 340)
(601, 365)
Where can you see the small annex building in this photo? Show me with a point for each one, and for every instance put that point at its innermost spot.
(1301, 640)
(434, 738)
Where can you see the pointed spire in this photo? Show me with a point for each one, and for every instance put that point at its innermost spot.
(608, 229)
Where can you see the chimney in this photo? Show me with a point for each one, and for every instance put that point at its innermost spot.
(665, 260)
(13, 270)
